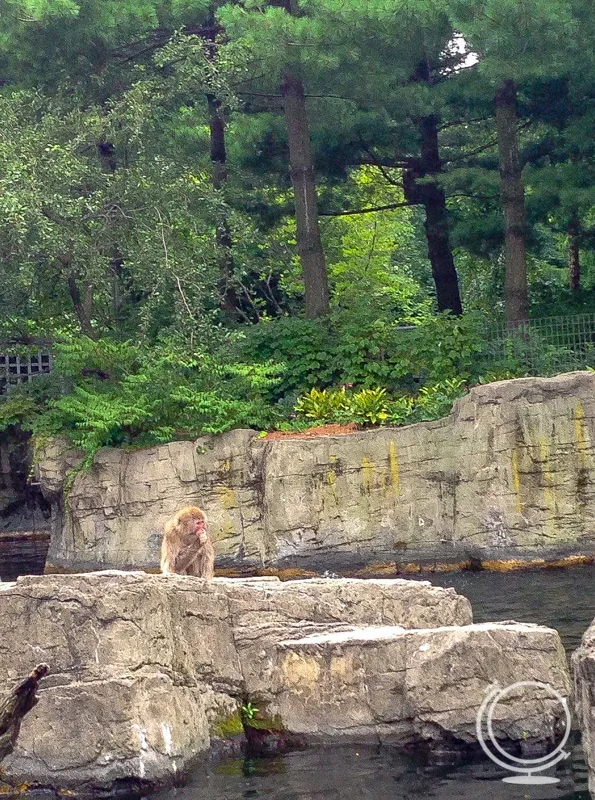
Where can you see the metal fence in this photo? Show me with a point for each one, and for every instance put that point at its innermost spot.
(19, 368)
(544, 346)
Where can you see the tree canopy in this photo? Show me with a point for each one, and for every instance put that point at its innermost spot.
(250, 200)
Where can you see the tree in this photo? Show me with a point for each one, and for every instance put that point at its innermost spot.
(62, 215)
(514, 42)
(277, 29)
(516, 288)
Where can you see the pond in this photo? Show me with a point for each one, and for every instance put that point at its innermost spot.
(563, 599)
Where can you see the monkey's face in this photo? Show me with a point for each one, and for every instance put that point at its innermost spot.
(200, 529)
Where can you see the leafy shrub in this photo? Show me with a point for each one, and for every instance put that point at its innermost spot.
(120, 393)
(500, 375)
(400, 410)
(324, 405)
(369, 407)
(17, 409)
(376, 407)
(436, 401)
(365, 351)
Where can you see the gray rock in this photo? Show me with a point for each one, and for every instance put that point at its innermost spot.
(148, 671)
(508, 474)
(583, 669)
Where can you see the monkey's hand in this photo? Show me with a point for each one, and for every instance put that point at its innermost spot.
(187, 555)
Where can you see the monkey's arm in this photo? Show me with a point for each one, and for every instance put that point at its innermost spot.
(187, 555)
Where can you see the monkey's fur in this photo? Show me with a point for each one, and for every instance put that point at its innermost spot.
(182, 551)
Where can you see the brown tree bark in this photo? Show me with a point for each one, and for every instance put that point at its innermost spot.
(437, 234)
(574, 253)
(303, 180)
(223, 238)
(516, 289)
(14, 707)
(83, 306)
(429, 193)
(107, 158)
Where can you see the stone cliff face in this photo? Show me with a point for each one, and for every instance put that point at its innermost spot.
(508, 474)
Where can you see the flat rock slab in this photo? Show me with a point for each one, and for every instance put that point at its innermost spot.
(428, 684)
(148, 670)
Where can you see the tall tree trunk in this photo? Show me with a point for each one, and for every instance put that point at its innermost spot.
(223, 238)
(108, 160)
(516, 289)
(83, 305)
(429, 193)
(437, 234)
(306, 206)
(574, 253)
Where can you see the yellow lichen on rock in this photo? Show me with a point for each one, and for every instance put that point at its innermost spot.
(394, 468)
(301, 672)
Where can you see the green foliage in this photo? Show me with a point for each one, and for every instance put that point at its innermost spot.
(367, 407)
(324, 405)
(445, 347)
(436, 401)
(122, 394)
(366, 351)
(500, 375)
(249, 711)
(376, 407)
(17, 410)
(370, 407)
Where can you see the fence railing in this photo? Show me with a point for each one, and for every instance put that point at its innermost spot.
(544, 346)
(19, 368)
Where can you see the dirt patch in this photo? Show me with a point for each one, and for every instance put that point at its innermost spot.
(319, 430)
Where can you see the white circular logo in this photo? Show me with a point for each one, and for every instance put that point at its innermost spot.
(526, 767)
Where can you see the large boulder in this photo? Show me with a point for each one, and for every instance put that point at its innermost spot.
(509, 474)
(149, 671)
(421, 684)
(583, 669)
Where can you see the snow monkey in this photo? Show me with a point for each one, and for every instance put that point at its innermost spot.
(186, 547)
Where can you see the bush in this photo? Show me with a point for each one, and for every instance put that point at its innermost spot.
(367, 352)
(376, 407)
(324, 405)
(436, 401)
(119, 393)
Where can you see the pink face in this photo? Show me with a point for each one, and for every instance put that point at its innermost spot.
(200, 529)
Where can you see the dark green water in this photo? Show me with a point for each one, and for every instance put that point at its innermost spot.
(562, 599)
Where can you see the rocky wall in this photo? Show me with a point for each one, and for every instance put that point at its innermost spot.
(509, 474)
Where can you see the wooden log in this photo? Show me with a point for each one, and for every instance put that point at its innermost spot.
(14, 707)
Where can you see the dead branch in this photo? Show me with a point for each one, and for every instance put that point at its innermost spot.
(14, 707)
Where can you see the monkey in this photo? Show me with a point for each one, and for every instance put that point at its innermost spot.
(186, 548)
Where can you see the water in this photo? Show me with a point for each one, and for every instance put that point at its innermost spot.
(562, 599)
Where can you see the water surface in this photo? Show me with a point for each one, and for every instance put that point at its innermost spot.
(561, 598)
